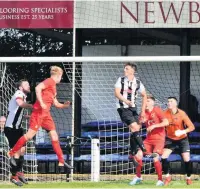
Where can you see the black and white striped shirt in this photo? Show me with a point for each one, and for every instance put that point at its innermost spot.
(129, 90)
(15, 114)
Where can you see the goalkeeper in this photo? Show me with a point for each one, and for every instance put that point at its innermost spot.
(126, 90)
(179, 126)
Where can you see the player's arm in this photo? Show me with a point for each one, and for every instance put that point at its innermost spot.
(144, 102)
(60, 105)
(188, 123)
(164, 123)
(120, 97)
(38, 89)
(163, 120)
(23, 104)
(143, 93)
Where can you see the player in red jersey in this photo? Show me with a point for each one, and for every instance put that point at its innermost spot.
(41, 117)
(155, 122)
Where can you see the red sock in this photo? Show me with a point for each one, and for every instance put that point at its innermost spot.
(57, 149)
(18, 146)
(158, 168)
(139, 167)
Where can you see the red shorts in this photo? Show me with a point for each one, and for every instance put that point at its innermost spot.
(41, 119)
(156, 146)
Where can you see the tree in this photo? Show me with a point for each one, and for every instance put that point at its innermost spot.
(14, 42)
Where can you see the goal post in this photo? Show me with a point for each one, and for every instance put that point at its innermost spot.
(101, 59)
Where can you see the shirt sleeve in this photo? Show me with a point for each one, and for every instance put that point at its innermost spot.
(19, 95)
(142, 88)
(188, 122)
(118, 83)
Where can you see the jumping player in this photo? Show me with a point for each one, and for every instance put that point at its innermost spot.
(46, 96)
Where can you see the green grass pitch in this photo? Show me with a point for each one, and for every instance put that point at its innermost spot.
(106, 184)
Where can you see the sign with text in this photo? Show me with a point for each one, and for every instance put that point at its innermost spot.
(36, 14)
(138, 14)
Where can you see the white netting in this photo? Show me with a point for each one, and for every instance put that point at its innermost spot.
(94, 81)
(95, 84)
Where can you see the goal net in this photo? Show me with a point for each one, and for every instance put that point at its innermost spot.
(93, 81)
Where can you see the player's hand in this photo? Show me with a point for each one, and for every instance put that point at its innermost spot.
(151, 128)
(128, 102)
(44, 106)
(178, 133)
(67, 104)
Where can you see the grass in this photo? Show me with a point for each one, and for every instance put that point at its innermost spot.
(106, 184)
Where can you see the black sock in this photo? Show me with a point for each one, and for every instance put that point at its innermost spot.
(138, 140)
(188, 168)
(133, 145)
(20, 164)
(13, 169)
(165, 166)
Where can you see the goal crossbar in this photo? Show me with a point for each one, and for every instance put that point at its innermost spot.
(101, 59)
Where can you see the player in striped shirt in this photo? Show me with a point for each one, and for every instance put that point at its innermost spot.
(177, 139)
(126, 91)
(14, 130)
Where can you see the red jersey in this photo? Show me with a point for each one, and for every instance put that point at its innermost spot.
(48, 94)
(154, 117)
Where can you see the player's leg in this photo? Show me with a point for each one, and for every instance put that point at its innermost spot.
(185, 152)
(169, 147)
(48, 125)
(135, 135)
(158, 146)
(22, 141)
(20, 164)
(138, 178)
(12, 136)
(135, 128)
(130, 118)
(35, 123)
(19, 157)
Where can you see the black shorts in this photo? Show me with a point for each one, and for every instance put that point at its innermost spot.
(128, 115)
(180, 145)
(13, 135)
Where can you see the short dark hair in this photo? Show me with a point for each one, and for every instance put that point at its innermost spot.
(20, 82)
(151, 97)
(172, 97)
(134, 66)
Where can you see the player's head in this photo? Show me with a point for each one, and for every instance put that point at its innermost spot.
(56, 72)
(24, 86)
(150, 101)
(172, 102)
(2, 123)
(130, 69)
